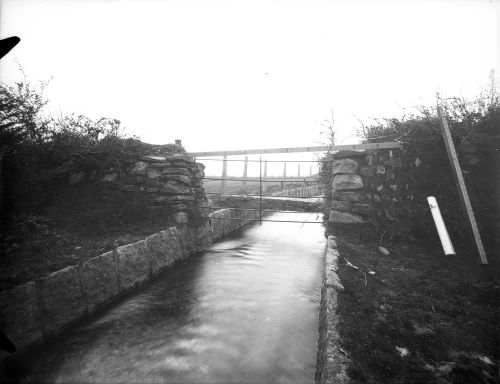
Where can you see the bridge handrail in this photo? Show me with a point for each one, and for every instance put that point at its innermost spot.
(320, 148)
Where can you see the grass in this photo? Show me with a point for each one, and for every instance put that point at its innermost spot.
(80, 222)
(421, 317)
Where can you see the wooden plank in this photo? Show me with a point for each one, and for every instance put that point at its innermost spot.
(462, 188)
(322, 148)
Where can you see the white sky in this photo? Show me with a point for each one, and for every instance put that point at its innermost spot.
(249, 74)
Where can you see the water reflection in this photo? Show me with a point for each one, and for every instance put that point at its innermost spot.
(246, 310)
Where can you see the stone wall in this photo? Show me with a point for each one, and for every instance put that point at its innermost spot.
(33, 312)
(272, 203)
(172, 180)
(331, 364)
(365, 188)
(313, 190)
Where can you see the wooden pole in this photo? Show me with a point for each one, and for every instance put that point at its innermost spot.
(260, 189)
(284, 174)
(459, 179)
(245, 169)
(298, 174)
(265, 175)
(224, 175)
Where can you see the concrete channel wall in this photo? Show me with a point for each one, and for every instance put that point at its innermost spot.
(37, 310)
(331, 363)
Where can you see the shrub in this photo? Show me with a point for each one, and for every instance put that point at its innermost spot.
(475, 127)
(36, 147)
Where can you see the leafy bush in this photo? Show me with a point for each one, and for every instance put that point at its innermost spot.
(36, 147)
(475, 127)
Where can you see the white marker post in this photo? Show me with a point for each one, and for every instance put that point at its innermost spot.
(441, 228)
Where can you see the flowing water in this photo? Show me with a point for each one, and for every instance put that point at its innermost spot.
(244, 310)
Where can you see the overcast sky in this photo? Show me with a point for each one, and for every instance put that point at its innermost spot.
(249, 74)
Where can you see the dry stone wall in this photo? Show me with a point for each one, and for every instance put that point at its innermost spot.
(173, 180)
(313, 190)
(272, 202)
(365, 188)
(34, 311)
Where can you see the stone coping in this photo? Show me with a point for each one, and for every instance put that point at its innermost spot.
(332, 363)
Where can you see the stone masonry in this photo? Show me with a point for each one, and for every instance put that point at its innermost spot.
(173, 180)
(364, 187)
(35, 311)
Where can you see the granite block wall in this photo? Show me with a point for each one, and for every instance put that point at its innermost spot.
(32, 312)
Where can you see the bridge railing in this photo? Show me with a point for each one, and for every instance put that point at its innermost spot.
(314, 192)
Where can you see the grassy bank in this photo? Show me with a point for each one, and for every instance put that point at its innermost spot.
(79, 223)
(417, 316)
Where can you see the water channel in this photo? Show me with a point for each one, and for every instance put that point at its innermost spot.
(245, 310)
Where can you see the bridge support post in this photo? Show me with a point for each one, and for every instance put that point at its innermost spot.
(284, 175)
(224, 175)
(245, 170)
(265, 175)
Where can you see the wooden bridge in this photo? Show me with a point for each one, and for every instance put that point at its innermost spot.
(284, 179)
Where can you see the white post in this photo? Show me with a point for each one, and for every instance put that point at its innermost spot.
(440, 226)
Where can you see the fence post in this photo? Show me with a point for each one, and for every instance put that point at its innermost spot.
(224, 175)
(265, 175)
(284, 174)
(245, 169)
(260, 190)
